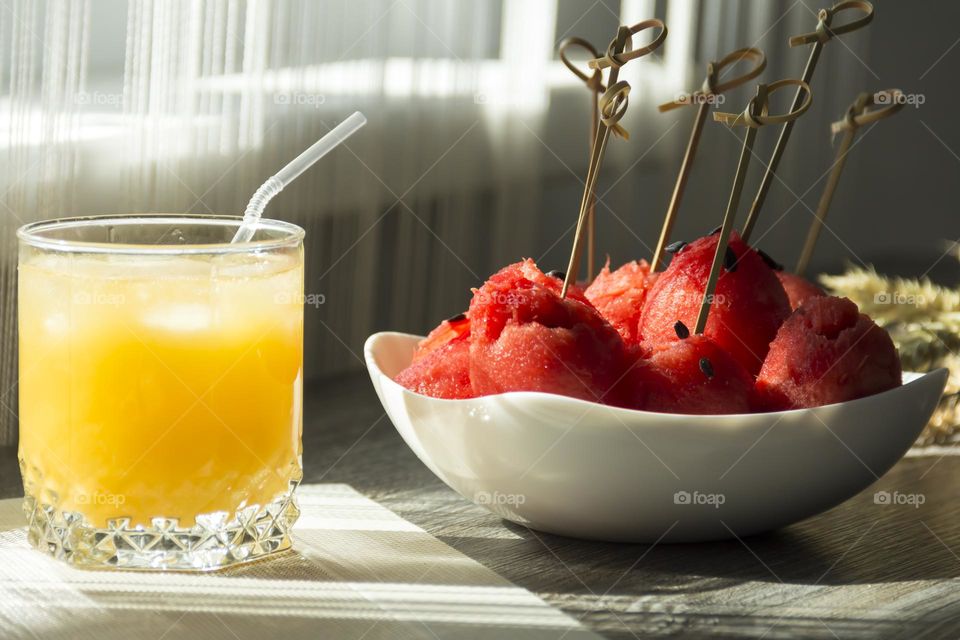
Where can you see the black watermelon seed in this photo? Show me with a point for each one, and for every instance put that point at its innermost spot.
(707, 367)
(682, 332)
(560, 275)
(457, 318)
(730, 260)
(773, 264)
(715, 231)
(675, 247)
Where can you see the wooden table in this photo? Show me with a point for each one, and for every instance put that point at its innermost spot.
(861, 570)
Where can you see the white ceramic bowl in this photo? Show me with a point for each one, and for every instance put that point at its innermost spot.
(582, 469)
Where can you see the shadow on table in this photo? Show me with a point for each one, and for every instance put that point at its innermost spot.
(782, 584)
(855, 543)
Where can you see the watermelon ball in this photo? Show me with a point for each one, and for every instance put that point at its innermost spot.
(692, 375)
(443, 372)
(748, 306)
(619, 296)
(827, 352)
(441, 363)
(525, 337)
(448, 330)
(798, 288)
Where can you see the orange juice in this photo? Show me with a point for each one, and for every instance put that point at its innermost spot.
(160, 387)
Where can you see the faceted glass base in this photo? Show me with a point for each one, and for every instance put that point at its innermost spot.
(213, 542)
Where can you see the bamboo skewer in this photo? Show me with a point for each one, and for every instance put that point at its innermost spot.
(753, 117)
(857, 115)
(704, 98)
(823, 33)
(614, 100)
(613, 105)
(594, 82)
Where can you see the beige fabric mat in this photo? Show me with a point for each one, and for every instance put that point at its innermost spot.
(357, 571)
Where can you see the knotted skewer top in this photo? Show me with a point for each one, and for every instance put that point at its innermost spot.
(889, 102)
(610, 112)
(711, 85)
(613, 105)
(594, 81)
(616, 60)
(826, 30)
(757, 112)
(613, 101)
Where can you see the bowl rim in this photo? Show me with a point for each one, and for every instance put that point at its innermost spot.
(915, 378)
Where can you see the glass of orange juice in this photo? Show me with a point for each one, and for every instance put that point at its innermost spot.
(161, 373)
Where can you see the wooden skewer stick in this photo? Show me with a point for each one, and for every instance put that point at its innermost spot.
(823, 33)
(706, 96)
(857, 115)
(597, 148)
(594, 82)
(592, 207)
(753, 117)
(613, 105)
(617, 94)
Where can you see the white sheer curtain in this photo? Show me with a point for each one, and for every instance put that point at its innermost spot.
(472, 158)
(186, 106)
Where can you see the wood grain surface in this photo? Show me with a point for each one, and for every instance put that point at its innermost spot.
(861, 570)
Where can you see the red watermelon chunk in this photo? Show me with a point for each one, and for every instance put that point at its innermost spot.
(525, 337)
(443, 371)
(692, 375)
(798, 288)
(748, 307)
(827, 352)
(619, 296)
(448, 330)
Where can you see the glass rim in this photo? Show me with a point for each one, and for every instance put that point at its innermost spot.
(31, 234)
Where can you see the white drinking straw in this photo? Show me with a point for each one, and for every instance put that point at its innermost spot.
(276, 183)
